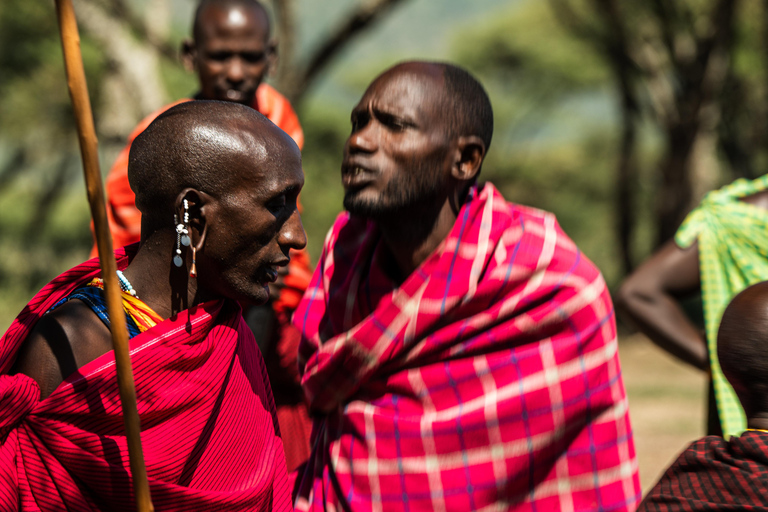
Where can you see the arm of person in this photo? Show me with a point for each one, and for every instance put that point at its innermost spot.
(649, 296)
(64, 340)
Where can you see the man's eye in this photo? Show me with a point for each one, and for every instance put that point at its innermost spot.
(254, 58)
(277, 204)
(359, 122)
(393, 123)
(219, 56)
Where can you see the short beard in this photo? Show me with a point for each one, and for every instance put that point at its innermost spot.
(399, 198)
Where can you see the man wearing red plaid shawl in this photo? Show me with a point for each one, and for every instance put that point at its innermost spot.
(458, 351)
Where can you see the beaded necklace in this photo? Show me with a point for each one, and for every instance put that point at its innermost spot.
(125, 285)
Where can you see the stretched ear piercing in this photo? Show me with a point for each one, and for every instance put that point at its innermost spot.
(193, 268)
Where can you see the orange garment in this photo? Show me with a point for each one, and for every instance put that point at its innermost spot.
(125, 219)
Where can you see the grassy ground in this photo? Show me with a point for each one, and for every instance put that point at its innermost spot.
(667, 402)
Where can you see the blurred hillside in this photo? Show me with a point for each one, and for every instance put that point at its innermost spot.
(588, 103)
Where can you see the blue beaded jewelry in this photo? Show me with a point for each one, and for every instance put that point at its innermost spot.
(125, 285)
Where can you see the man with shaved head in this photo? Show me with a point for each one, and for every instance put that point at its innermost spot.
(718, 474)
(458, 351)
(217, 185)
(231, 51)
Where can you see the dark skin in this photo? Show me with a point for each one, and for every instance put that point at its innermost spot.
(231, 52)
(399, 141)
(740, 347)
(650, 297)
(242, 240)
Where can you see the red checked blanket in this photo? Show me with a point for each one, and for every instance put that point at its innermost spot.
(489, 379)
(208, 419)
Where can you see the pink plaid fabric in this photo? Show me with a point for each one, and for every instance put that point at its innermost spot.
(489, 380)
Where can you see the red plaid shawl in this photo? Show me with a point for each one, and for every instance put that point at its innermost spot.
(208, 420)
(488, 380)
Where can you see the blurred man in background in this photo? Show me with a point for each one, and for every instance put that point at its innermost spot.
(231, 51)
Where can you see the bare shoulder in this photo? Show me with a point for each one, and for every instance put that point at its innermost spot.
(61, 342)
(759, 199)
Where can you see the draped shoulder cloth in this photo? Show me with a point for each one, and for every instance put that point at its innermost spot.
(209, 432)
(489, 379)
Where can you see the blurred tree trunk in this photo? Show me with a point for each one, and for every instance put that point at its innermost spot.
(677, 60)
(701, 73)
(132, 86)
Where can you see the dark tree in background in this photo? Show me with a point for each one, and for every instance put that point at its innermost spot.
(673, 64)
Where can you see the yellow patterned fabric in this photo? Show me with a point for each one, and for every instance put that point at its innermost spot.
(142, 315)
(733, 254)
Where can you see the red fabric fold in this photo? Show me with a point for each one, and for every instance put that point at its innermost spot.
(209, 429)
(488, 380)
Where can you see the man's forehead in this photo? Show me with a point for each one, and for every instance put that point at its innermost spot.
(215, 19)
(408, 88)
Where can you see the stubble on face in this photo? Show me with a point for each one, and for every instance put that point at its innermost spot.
(406, 192)
(415, 174)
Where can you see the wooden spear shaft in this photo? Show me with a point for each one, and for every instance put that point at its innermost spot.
(78, 90)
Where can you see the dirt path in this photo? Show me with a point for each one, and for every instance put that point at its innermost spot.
(666, 404)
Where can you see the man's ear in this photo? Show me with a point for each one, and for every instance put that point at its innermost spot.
(189, 55)
(470, 152)
(196, 211)
(271, 56)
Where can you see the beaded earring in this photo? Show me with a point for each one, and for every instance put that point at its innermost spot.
(182, 235)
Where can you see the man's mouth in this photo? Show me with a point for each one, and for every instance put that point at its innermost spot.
(234, 95)
(354, 176)
(268, 274)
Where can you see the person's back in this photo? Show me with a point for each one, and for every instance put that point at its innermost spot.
(209, 239)
(718, 474)
(458, 351)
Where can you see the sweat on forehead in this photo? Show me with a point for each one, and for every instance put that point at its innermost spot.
(189, 145)
(234, 8)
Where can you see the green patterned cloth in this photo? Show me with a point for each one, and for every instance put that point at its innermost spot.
(733, 254)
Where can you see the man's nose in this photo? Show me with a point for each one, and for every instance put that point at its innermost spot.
(292, 234)
(362, 140)
(235, 70)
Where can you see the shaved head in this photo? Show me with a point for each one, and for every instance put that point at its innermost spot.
(191, 145)
(198, 29)
(742, 347)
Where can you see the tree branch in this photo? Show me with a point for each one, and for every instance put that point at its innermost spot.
(366, 14)
(119, 9)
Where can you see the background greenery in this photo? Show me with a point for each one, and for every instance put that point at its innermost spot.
(567, 94)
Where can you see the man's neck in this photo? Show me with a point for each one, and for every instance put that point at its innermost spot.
(411, 237)
(165, 288)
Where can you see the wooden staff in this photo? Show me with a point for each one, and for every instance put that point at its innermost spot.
(78, 90)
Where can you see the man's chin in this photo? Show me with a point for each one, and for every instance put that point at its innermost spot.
(362, 208)
(243, 98)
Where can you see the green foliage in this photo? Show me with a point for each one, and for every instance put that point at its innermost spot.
(325, 131)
